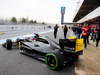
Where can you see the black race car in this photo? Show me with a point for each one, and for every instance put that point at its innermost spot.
(43, 48)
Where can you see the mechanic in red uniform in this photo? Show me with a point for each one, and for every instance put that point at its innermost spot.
(88, 33)
(84, 34)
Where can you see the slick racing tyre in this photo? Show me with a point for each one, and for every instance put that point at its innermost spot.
(8, 44)
(54, 60)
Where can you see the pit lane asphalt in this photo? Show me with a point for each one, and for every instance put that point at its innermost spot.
(14, 63)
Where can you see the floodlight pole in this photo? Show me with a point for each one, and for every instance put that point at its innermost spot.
(62, 14)
(62, 18)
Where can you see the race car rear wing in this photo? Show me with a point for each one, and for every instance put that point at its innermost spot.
(73, 46)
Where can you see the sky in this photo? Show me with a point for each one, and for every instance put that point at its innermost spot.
(40, 10)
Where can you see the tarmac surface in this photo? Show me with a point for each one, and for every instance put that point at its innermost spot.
(14, 63)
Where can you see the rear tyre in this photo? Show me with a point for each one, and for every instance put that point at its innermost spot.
(8, 44)
(54, 60)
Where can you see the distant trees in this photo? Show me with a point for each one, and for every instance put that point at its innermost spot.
(14, 20)
(31, 21)
(43, 23)
(35, 22)
(23, 21)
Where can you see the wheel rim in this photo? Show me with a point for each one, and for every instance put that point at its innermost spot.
(51, 61)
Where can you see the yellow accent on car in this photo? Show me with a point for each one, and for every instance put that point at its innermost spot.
(79, 45)
(19, 45)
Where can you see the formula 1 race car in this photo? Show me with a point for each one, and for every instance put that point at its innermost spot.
(55, 55)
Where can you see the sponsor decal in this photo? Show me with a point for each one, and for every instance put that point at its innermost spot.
(68, 48)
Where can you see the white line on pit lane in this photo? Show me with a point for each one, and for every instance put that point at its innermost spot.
(22, 37)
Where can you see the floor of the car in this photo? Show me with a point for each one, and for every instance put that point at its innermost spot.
(39, 46)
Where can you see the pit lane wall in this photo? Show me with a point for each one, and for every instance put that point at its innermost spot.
(93, 14)
(10, 28)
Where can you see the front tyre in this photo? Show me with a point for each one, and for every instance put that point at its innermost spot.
(8, 44)
(54, 60)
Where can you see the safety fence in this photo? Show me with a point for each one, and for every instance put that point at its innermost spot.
(10, 28)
